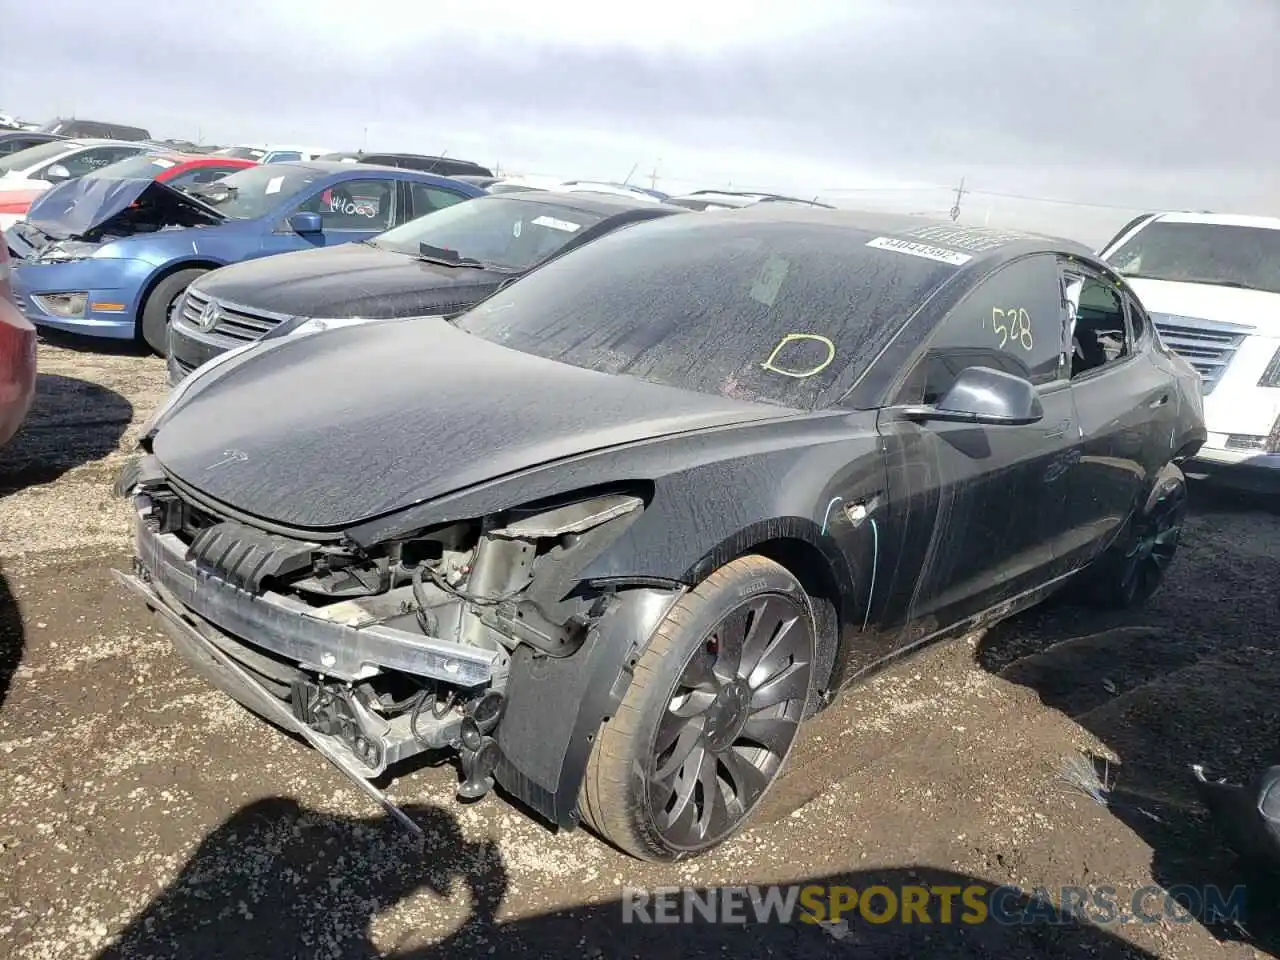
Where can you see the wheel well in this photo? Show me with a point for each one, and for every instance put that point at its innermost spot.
(807, 564)
(164, 274)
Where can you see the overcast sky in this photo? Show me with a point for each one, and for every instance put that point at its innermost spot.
(1131, 104)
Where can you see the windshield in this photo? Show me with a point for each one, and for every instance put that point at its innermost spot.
(752, 310)
(1202, 253)
(502, 232)
(242, 153)
(141, 167)
(253, 192)
(32, 156)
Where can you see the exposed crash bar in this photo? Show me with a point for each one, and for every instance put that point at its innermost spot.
(334, 649)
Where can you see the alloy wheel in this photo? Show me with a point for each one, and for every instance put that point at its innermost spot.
(730, 721)
(1153, 544)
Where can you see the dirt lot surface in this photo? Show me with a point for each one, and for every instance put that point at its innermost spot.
(142, 814)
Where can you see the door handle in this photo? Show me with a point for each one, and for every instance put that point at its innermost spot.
(1058, 432)
(1160, 402)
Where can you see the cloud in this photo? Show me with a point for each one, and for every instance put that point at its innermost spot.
(1143, 102)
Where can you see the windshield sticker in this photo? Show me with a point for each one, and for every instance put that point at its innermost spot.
(274, 185)
(162, 163)
(566, 225)
(972, 239)
(769, 281)
(913, 249)
(1012, 325)
(797, 349)
(516, 228)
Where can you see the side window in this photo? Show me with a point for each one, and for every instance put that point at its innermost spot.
(1012, 321)
(201, 175)
(1099, 336)
(282, 156)
(89, 160)
(367, 205)
(427, 199)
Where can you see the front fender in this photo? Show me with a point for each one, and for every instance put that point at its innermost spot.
(555, 706)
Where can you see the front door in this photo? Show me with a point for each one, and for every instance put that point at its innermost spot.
(977, 509)
(349, 210)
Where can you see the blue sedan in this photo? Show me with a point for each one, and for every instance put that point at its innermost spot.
(110, 258)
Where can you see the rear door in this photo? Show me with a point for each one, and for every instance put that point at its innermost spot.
(977, 508)
(1123, 401)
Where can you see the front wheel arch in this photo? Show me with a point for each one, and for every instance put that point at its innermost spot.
(161, 275)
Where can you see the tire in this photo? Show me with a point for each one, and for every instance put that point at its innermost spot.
(153, 327)
(1131, 570)
(715, 747)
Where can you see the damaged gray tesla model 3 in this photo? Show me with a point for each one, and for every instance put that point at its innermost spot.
(612, 535)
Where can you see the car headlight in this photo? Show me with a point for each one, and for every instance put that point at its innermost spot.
(302, 326)
(1271, 375)
(57, 254)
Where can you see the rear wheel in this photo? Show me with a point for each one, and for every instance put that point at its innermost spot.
(154, 325)
(710, 718)
(1132, 568)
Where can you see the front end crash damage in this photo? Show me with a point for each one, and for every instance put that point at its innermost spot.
(476, 637)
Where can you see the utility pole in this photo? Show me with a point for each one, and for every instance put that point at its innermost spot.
(653, 176)
(960, 192)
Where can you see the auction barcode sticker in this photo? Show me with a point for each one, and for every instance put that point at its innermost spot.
(925, 250)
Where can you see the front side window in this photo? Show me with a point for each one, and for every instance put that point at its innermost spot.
(256, 191)
(133, 168)
(88, 161)
(1012, 321)
(354, 205)
(1099, 336)
(1229, 256)
(500, 232)
(768, 311)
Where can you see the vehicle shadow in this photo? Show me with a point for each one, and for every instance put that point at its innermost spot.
(277, 879)
(12, 636)
(1190, 678)
(71, 422)
(97, 345)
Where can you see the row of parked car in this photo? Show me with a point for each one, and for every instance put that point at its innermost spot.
(173, 249)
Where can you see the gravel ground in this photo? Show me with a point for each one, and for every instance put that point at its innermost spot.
(145, 815)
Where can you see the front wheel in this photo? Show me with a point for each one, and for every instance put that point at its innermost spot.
(710, 717)
(154, 320)
(1132, 568)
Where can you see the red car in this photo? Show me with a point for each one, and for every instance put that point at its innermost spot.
(17, 356)
(176, 169)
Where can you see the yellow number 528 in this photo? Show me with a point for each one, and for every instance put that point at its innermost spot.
(1013, 324)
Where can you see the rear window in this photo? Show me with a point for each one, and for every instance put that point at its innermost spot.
(1210, 253)
(767, 311)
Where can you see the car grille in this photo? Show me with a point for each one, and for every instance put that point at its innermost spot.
(234, 322)
(1208, 345)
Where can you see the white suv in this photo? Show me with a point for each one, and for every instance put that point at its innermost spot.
(1212, 286)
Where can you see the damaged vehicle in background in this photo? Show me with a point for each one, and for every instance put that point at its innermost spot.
(181, 171)
(441, 263)
(37, 169)
(615, 532)
(1212, 284)
(17, 356)
(115, 262)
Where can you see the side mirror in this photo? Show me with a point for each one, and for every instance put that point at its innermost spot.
(981, 395)
(57, 173)
(306, 223)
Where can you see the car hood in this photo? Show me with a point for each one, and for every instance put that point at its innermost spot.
(78, 207)
(350, 280)
(326, 430)
(1167, 300)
